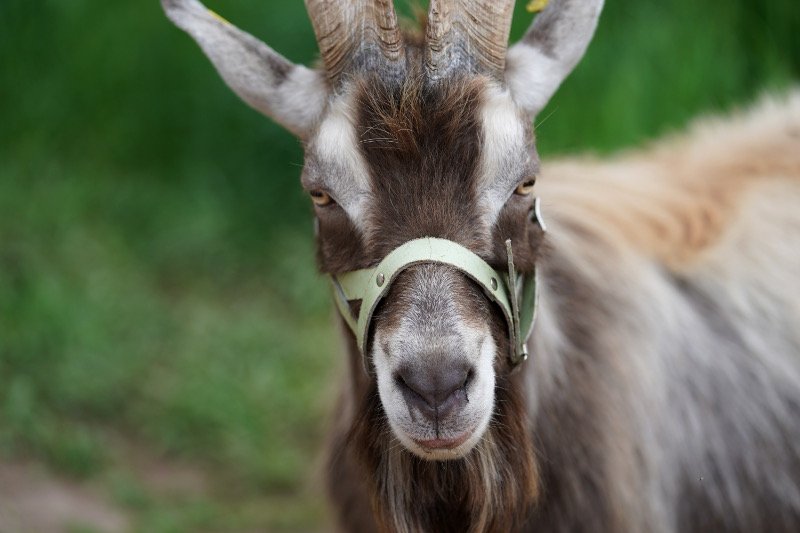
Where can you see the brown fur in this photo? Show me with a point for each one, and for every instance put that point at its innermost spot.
(404, 132)
(575, 463)
(664, 384)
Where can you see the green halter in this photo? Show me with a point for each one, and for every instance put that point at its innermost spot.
(514, 294)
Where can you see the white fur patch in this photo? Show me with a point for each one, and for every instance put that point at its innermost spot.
(504, 158)
(340, 167)
(405, 425)
(432, 333)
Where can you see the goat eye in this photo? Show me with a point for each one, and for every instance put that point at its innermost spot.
(321, 198)
(526, 187)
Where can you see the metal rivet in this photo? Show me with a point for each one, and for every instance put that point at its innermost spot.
(494, 284)
(380, 280)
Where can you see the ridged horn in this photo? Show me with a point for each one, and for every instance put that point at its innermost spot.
(357, 35)
(467, 35)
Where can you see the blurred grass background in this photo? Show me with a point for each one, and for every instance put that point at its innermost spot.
(159, 306)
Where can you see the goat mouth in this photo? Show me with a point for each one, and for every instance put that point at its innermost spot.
(444, 444)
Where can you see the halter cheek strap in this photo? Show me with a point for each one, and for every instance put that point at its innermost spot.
(515, 295)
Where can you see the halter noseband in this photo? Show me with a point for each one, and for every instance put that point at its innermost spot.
(516, 295)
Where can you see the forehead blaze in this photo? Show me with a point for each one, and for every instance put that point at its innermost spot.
(422, 148)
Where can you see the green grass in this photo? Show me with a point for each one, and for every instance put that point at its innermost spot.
(157, 279)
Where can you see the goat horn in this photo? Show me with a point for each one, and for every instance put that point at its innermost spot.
(469, 35)
(357, 35)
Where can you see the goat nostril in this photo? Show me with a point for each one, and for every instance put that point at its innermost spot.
(469, 378)
(413, 391)
(407, 384)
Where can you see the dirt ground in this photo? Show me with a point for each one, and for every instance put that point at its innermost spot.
(34, 501)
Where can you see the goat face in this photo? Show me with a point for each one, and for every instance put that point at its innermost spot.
(402, 161)
(410, 137)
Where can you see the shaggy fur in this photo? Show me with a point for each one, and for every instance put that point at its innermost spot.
(685, 328)
(663, 390)
(404, 130)
(664, 386)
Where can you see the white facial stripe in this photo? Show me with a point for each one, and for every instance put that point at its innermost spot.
(340, 167)
(504, 157)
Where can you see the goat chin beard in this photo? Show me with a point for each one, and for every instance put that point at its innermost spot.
(491, 487)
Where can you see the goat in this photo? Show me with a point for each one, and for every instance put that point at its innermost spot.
(663, 388)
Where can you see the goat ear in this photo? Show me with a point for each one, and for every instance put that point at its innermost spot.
(292, 95)
(550, 49)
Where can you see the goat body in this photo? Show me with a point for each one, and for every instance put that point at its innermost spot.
(663, 389)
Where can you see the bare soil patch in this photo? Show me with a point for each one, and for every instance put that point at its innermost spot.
(35, 500)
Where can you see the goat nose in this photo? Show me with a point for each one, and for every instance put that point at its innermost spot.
(436, 392)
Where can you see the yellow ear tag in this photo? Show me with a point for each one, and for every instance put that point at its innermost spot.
(534, 6)
(218, 17)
